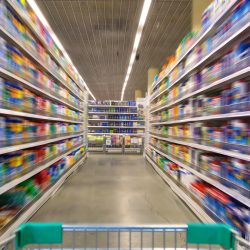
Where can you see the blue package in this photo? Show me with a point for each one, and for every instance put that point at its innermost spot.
(242, 51)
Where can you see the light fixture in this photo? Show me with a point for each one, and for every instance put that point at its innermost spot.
(143, 17)
(44, 21)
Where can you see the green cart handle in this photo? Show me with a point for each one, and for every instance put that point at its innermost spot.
(39, 233)
(211, 234)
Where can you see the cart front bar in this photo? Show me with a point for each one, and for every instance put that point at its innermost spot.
(55, 236)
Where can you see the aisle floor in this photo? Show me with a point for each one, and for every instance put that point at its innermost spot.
(118, 189)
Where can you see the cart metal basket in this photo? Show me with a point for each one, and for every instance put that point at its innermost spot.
(55, 236)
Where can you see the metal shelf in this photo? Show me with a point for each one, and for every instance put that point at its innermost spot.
(37, 203)
(204, 35)
(114, 150)
(212, 55)
(4, 188)
(8, 149)
(133, 150)
(208, 87)
(34, 116)
(205, 118)
(9, 75)
(95, 149)
(181, 193)
(32, 27)
(204, 147)
(30, 54)
(236, 195)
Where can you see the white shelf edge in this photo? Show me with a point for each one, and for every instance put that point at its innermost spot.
(9, 149)
(230, 192)
(95, 149)
(37, 60)
(128, 150)
(118, 120)
(34, 116)
(40, 38)
(206, 118)
(208, 30)
(45, 196)
(8, 74)
(232, 77)
(205, 148)
(204, 59)
(114, 149)
(33, 172)
(199, 212)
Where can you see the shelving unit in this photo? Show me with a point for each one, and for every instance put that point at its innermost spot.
(200, 38)
(116, 127)
(43, 115)
(199, 115)
(20, 11)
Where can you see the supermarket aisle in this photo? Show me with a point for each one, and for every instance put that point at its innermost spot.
(115, 189)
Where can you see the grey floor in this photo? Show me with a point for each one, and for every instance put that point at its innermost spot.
(119, 189)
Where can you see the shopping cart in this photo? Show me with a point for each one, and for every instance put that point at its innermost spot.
(55, 236)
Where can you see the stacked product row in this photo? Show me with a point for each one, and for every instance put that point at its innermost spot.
(116, 124)
(115, 130)
(116, 143)
(123, 118)
(232, 98)
(199, 116)
(21, 196)
(228, 135)
(15, 96)
(124, 143)
(118, 117)
(14, 128)
(120, 109)
(42, 121)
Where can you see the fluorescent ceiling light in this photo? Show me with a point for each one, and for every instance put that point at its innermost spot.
(143, 17)
(44, 21)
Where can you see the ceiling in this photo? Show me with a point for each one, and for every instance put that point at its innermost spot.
(99, 35)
